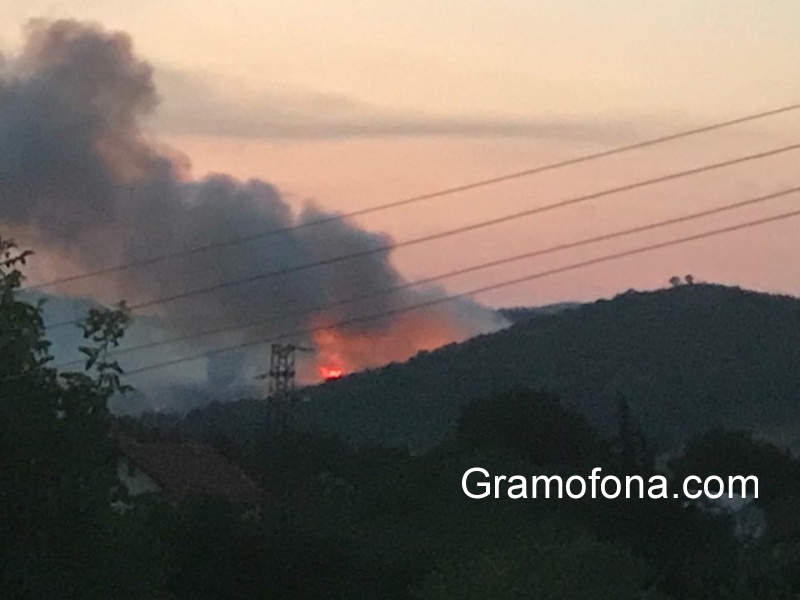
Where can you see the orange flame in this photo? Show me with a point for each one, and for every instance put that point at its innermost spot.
(329, 373)
(405, 336)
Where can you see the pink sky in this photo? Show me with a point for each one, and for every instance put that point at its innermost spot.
(351, 108)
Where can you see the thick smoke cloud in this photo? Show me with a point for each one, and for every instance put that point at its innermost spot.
(80, 179)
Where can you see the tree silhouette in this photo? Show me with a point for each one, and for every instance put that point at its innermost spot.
(61, 538)
(533, 425)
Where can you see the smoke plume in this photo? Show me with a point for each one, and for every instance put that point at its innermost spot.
(82, 181)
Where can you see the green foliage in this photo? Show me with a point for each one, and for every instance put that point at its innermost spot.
(371, 522)
(105, 328)
(532, 425)
(61, 538)
(730, 453)
(542, 568)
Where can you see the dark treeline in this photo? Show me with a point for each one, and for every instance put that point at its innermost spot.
(339, 521)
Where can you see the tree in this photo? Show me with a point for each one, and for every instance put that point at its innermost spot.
(580, 567)
(633, 456)
(61, 537)
(532, 425)
(725, 454)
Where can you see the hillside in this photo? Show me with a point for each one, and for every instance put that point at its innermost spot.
(687, 359)
(518, 314)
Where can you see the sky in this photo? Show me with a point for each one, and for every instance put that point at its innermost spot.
(352, 103)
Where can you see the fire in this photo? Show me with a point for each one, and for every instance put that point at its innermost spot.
(353, 350)
(341, 350)
(329, 373)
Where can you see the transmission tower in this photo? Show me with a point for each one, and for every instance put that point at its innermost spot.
(281, 370)
(281, 381)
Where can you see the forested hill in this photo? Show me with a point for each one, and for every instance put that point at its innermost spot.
(687, 359)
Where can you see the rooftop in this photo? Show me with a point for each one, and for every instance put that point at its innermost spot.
(189, 470)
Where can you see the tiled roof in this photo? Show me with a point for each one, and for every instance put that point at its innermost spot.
(184, 470)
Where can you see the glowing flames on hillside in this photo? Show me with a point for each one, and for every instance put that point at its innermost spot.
(328, 373)
(341, 351)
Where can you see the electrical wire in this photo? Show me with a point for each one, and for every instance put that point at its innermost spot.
(423, 197)
(475, 291)
(452, 232)
(462, 271)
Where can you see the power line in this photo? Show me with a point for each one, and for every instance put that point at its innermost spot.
(475, 291)
(452, 232)
(423, 197)
(470, 269)
(639, 229)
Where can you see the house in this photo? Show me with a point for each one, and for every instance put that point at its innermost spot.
(181, 471)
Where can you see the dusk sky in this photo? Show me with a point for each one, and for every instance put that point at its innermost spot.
(356, 103)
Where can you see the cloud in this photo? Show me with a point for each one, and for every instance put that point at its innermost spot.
(203, 104)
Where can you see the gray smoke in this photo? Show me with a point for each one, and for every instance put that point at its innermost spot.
(80, 179)
(224, 369)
